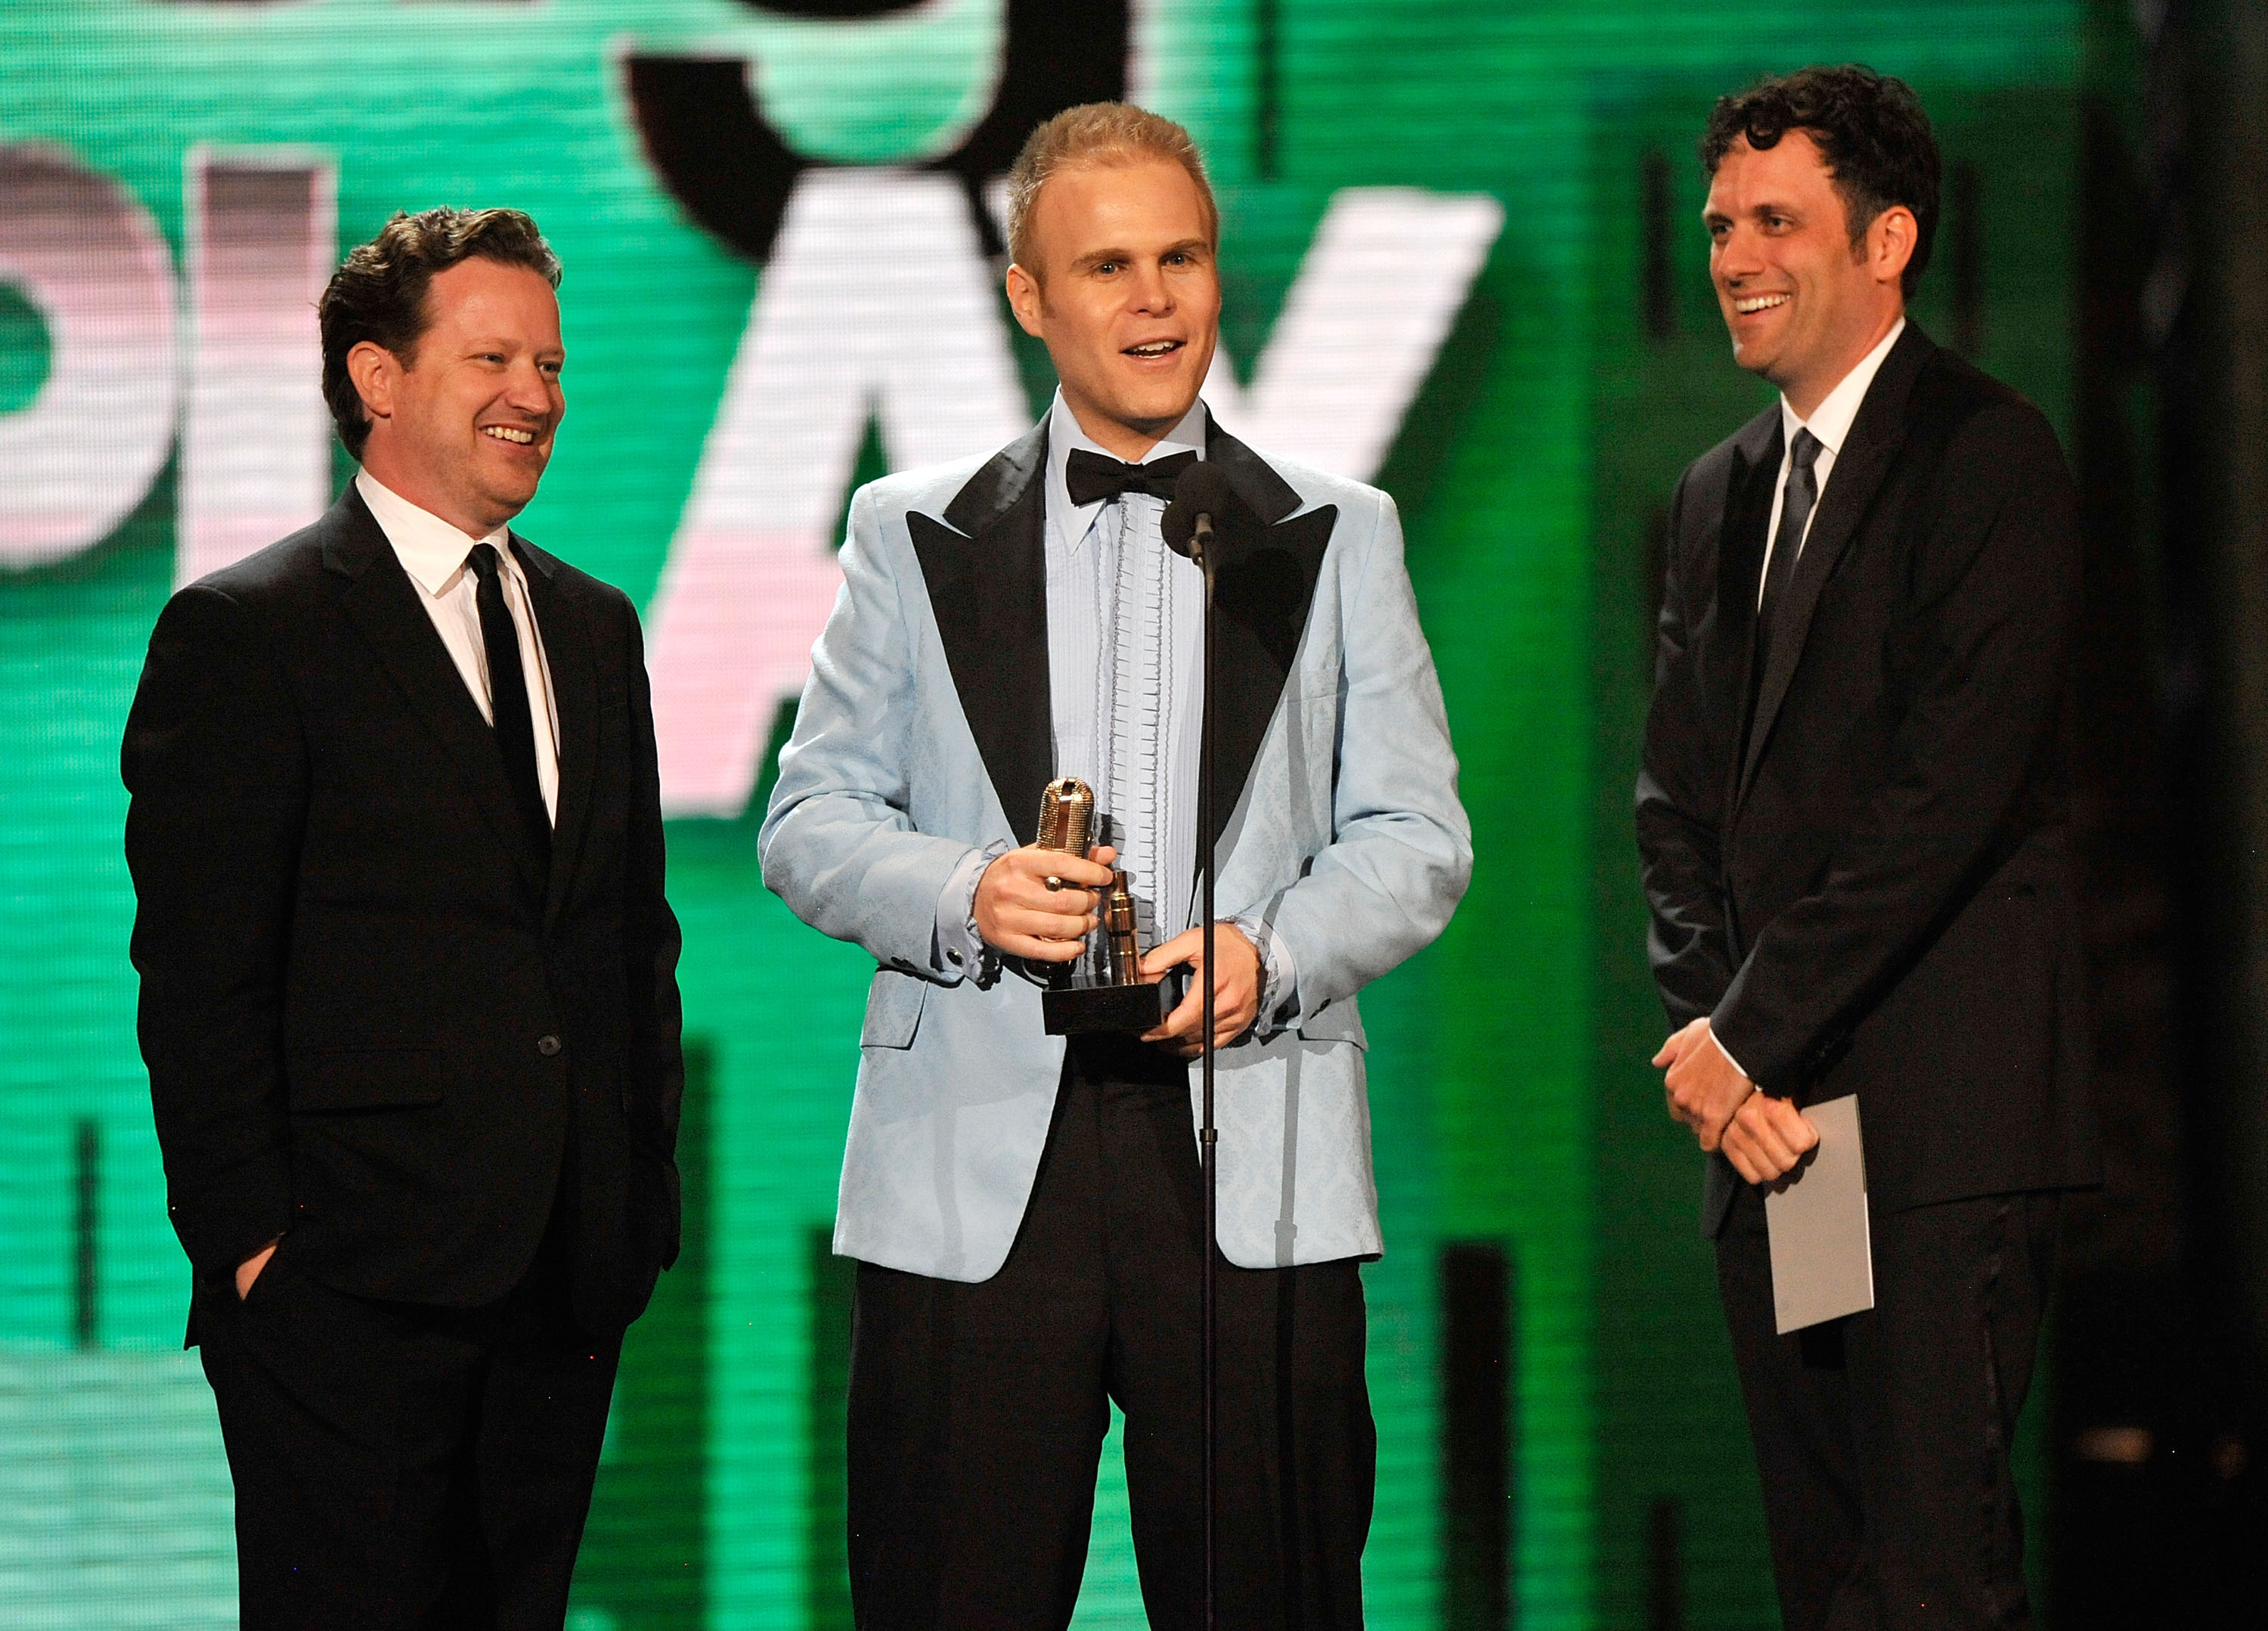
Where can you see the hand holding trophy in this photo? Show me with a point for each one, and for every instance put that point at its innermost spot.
(1117, 997)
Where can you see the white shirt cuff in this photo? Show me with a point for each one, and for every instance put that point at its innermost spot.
(956, 949)
(1728, 1052)
(1279, 976)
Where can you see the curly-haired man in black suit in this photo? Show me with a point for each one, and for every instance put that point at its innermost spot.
(1851, 812)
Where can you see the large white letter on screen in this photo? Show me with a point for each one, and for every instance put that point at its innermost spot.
(877, 303)
(83, 452)
(877, 295)
(1378, 289)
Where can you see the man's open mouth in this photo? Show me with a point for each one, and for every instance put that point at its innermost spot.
(1748, 305)
(1150, 350)
(508, 433)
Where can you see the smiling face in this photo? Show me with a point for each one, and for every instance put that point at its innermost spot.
(1126, 295)
(1802, 307)
(463, 427)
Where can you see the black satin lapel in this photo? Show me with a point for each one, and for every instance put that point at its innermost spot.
(1266, 590)
(990, 596)
(1004, 478)
(1268, 495)
(1266, 585)
(566, 637)
(382, 603)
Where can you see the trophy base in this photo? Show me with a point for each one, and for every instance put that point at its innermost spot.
(1078, 1010)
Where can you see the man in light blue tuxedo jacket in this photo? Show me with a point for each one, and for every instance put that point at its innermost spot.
(1023, 1211)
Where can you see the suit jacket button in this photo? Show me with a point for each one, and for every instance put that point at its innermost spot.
(547, 1045)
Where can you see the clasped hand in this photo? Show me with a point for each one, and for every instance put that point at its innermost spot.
(1019, 916)
(1762, 1135)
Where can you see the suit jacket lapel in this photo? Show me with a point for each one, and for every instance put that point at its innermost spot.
(1860, 464)
(1265, 585)
(985, 565)
(1741, 563)
(566, 640)
(378, 598)
(985, 568)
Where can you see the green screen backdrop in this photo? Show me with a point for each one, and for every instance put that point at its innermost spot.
(1463, 260)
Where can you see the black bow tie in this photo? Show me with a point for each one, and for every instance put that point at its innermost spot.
(1092, 476)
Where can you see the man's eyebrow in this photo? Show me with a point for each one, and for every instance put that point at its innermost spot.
(504, 343)
(1770, 206)
(1087, 262)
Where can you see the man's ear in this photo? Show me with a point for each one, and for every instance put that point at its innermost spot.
(373, 369)
(1890, 243)
(1024, 300)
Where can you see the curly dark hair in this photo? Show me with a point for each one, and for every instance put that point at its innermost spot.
(379, 292)
(1870, 129)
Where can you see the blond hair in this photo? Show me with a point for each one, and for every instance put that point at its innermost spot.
(1106, 134)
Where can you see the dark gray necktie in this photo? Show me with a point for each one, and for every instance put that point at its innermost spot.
(1788, 543)
(515, 724)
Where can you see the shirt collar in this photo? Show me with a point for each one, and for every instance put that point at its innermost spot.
(1830, 422)
(431, 550)
(1071, 522)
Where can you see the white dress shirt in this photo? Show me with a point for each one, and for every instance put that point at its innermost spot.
(1829, 425)
(1125, 627)
(433, 553)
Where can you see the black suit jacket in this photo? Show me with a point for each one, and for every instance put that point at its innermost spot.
(370, 1025)
(1857, 858)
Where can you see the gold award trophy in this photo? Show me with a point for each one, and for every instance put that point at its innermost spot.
(1116, 997)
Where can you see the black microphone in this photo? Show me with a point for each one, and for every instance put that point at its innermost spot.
(1200, 495)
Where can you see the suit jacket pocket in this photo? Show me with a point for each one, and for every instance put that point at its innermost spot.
(894, 1009)
(367, 1079)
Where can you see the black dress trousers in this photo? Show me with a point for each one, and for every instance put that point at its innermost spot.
(977, 1412)
(1883, 1438)
(406, 1468)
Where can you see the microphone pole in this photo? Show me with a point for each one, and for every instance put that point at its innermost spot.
(1201, 493)
(1207, 1135)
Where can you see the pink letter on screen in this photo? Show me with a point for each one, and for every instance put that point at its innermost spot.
(81, 454)
(256, 439)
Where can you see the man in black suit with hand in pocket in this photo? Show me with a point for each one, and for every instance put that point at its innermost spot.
(1853, 817)
(409, 991)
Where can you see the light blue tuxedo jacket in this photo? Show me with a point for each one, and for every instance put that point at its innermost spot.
(924, 731)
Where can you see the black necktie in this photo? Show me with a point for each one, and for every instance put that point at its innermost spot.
(1788, 543)
(515, 726)
(1092, 476)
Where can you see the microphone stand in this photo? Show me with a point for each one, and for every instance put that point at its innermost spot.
(1207, 1136)
(1199, 493)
